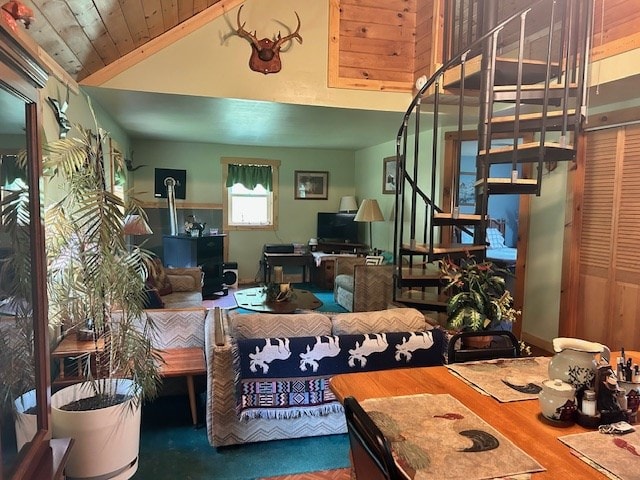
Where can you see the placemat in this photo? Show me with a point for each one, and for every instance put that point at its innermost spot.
(436, 436)
(618, 454)
(506, 379)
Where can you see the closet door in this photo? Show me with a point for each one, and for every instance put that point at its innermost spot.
(609, 260)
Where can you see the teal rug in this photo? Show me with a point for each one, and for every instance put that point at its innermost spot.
(171, 448)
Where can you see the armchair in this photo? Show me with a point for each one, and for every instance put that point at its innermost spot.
(174, 287)
(362, 288)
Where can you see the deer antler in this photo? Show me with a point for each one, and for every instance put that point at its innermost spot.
(295, 35)
(244, 34)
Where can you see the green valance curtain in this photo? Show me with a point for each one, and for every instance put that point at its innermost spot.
(249, 176)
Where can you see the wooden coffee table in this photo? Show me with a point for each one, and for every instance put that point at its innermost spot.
(254, 299)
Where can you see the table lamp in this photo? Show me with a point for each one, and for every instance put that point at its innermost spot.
(369, 211)
(348, 204)
(135, 225)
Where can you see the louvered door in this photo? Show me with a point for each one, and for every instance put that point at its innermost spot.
(609, 278)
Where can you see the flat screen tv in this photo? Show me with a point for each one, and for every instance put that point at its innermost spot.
(337, 227)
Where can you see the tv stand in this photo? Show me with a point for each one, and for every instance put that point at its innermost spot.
(342, 247)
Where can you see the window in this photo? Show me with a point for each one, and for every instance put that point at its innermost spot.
(250, 193)
(249, 207)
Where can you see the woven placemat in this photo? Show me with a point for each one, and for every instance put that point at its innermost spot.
(506, 379)
(619, 455)
(436, 436)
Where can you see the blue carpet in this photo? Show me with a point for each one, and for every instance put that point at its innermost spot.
(171, 448)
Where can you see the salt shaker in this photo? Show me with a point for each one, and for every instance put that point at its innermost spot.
(589, 403)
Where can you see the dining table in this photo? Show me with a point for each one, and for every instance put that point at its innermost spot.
(518, 421)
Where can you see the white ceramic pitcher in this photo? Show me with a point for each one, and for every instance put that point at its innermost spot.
(575, 361)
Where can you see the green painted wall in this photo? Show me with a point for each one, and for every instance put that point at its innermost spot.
(297, 218)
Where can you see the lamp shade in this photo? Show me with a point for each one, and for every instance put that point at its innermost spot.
(136, 225)
(369, 211)
(348, 204)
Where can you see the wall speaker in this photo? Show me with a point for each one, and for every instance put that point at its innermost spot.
(230, 274)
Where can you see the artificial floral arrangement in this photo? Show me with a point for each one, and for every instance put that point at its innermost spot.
(479, 298)
(277, 292)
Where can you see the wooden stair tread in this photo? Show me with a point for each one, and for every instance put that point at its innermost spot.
(531, 116)
(505, 186)
(423, 298)
(503, 180)
(506, 70)
(423, 249)
(532, 122)
(553, 87)
(419, 273)
(528, 152)
(446, 218)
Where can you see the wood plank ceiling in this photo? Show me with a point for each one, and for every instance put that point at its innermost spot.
(83, 36)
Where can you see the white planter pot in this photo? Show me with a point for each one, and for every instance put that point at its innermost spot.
(26, 423)
(106, 440)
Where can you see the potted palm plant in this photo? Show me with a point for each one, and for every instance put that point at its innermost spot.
(96, 284)
(17, 365)
(479, 299)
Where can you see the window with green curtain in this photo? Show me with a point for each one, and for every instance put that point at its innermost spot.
(249, 176)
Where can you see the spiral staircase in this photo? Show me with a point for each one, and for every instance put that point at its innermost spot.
(520, 74)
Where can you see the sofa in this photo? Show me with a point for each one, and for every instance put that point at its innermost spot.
(268, 374)
(359, 287)
(173, 287)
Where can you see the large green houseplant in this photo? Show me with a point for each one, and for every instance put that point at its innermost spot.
(479, 299)
(96, 284)
(17, 355)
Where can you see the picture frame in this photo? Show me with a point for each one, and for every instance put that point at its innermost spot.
(467, 189)
(310, 185)
(389, 175)
(374, 260)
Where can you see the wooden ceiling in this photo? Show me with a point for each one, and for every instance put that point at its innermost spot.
(84, 36)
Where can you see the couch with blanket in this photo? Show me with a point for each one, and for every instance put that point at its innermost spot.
(359, 287)
(268, 374)
(173, 287)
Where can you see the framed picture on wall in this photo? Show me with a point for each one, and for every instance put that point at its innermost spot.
(311, 185)
(389, 175)
(467, 189)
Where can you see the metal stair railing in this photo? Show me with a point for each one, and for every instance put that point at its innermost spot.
(569, 57)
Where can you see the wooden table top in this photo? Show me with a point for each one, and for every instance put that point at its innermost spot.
(70, 346)
(254, 299)
(182, 361)
(518, 421)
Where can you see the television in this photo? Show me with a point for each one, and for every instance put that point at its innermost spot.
(337, 227)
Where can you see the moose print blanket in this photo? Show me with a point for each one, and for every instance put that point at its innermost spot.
(288, 377)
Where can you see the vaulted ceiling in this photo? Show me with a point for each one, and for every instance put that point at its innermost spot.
(83, 36)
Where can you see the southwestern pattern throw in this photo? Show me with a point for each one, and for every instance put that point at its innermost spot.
(288, 377)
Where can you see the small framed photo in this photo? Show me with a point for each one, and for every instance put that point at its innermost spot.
(374, 260)
(311, 185)
(467, 189)
(389, 175)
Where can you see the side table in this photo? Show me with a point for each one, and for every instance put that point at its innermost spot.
(184, 362)
(81, 350)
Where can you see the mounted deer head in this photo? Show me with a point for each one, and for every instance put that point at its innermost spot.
(265, 53)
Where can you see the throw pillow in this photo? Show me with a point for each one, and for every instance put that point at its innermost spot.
(158, 278)
(153, 298)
